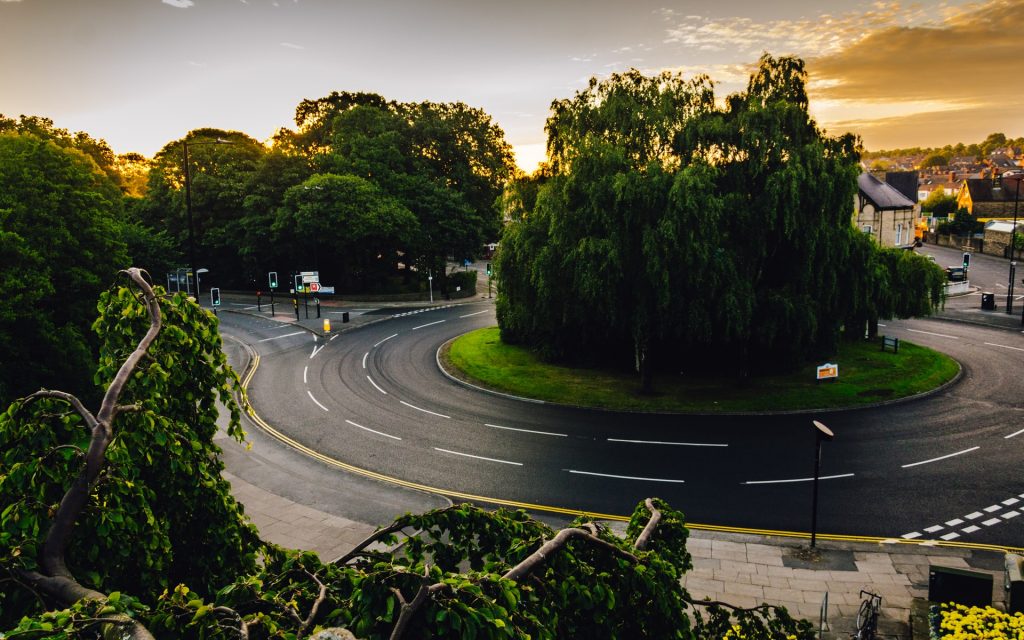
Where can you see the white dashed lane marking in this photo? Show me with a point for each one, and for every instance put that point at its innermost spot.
(992, 344)
(429, 324)
(287, 335)
(949, 455)
(411, 313)
(677, 444)
(609, 475)
(379, 433)
(412, 406)
(940, 335)
(375, 386)
(841, 475)
(542, 433)
(316, 401)
(469, 455)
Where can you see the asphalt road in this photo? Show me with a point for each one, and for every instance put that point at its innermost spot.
(942, 467)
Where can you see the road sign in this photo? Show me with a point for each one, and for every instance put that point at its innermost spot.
(312, 277)
(314, 286)
(828, 371)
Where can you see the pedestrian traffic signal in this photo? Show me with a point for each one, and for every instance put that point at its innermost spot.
(272, 276)
(215, 296)
(488, 269)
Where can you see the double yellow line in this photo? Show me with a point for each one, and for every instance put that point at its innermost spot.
(270, 430)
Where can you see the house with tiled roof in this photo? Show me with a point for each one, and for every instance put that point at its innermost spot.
(929, 181)
(1001, 162)
(888, 209)
(988, 199)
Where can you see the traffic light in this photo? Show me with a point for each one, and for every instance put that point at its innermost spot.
(215, 296)
(488, 269)
(272, 276)
(298, 282)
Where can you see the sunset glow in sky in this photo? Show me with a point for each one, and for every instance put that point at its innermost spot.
(140, 73)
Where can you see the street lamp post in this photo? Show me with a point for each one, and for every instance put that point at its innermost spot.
(821, 432)
(1013, 246)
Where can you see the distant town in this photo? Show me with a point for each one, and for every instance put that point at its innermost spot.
(958, 195)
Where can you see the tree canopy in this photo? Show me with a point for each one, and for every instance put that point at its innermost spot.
(444, 163)
(938, 204)
(60, 243)
(673, 230)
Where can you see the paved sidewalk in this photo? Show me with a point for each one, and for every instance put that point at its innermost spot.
(747, 570)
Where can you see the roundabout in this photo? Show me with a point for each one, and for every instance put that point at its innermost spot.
(373, 400)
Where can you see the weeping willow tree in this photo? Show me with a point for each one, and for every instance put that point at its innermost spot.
(671, 230)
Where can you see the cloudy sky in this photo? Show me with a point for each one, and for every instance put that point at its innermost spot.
(140, 73)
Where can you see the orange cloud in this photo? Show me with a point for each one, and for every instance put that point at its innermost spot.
(957, 80)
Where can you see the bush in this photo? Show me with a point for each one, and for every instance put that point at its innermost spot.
(950, 620)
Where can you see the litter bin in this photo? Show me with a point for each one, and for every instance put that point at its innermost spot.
(988, 301)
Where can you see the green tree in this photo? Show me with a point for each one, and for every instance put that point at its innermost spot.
(347, 226)
(60, 242)
(281, 168)
(104, 158)
(222, 167)
(447, 163)
(140, 473)
(673, 230)
(992, 142)
(938, 204)
(935, 160)
(888, 283)
(961, 224)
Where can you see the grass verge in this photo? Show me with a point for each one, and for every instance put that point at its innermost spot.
(866, 375)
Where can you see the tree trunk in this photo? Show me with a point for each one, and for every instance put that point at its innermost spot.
(643, 367)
